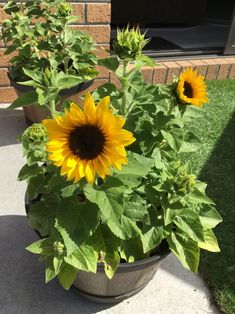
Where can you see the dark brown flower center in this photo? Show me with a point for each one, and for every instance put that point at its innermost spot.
(86, 142)
(188, 91)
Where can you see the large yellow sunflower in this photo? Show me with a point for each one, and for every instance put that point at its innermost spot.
(87, 142)
(191, 88)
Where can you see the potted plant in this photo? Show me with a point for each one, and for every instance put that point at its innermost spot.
(39, 34)
(110, 191)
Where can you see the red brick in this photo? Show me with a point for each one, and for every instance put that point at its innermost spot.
(98, 12)
(3, 14)
(4, 59)
(173, 69)
(212, 69)
(103, 72)
(224, 68)
(184, 65)
(114, 79)
(160, 74)
(100, 33)
(79, 10)
(232, 69)
(7, 94)
(4, 80)
(200, 66)
(147, 73)
(102, 51)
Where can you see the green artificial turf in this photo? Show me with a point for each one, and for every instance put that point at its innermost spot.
(215, 164)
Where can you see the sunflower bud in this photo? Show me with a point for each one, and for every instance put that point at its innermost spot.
(129, 44)
(186, 182)
(59, 248)
(65, 9)
(36, 133)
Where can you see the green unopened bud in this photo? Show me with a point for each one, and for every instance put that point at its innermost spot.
(36, 133)
(59, 248)
(129, 43)
(65, 9)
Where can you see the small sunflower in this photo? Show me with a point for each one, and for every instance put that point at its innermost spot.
(87, 142)
(191, 88)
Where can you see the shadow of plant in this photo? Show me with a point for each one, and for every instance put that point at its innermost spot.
(22, 287)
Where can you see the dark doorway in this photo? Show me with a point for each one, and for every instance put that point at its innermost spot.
(178, 27)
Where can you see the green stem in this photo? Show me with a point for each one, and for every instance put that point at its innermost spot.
(52, 108)
(124, 86)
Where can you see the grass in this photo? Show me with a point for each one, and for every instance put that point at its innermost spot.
(215, 164)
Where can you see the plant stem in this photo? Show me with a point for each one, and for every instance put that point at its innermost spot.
(124, 86)
(52, 108)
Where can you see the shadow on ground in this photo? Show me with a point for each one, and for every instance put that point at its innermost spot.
(22, 287)
(12, 123)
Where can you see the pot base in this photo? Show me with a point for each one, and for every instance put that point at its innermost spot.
(106, 299)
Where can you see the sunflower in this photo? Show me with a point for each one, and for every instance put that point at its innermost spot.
(86, 143)
(191, 88)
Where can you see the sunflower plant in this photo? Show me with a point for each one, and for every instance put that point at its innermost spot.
(108, 181)
(48, 54)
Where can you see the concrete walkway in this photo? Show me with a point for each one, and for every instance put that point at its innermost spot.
(173, 290)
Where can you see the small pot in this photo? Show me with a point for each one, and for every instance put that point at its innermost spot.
(128, 280)
(35, 113)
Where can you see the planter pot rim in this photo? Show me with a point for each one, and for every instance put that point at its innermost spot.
(66, 92)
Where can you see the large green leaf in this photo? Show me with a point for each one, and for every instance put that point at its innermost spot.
(42, 214)
(132, 250)
(210, 242)
(185, 249)
(124, 228)
(152, 238)
(25, 99)
(197, 197)
(50, 272)
(76, 221)
(68, 82)
(67, 276)
(109, 198)
(43, 246)
(190, 224)
(107, 245)
(29, 171)
(111, 63)
(209, 217)
(138, 166)
(136, 210)
(83, 258)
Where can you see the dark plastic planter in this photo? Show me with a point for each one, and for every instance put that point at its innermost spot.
(129, 278)
(35, 113)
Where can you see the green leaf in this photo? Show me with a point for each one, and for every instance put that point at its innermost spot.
(136, 210)
(185, 249)
(138, 166)
(83, 258)
(25, 99)
(109, 198)
(106, 245)
(198, 197)
(110, 63)
(43, 246)
(68, 82)
(132, 250)
(29, 171)
(11, 7)
(124, 228)
(210, 242)
(57, 263)
(50, 270)
(209, 217)
(170, 139)
(67, 276)
(36, 185)
(152, 238)
(76, 221)
(143, 60)
(190, 224)
(42, 214)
